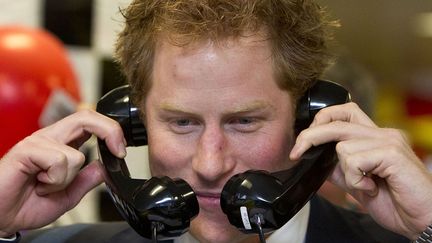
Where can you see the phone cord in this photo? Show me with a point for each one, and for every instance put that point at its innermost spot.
(154, 229)
(258, 220)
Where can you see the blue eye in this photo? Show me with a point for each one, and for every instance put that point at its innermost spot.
(245, 120)
(183, 122)
(245, 124)
(183, 125)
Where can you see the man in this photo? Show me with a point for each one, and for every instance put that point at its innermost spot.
(217, 82)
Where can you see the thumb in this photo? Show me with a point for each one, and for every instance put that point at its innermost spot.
(87, 179)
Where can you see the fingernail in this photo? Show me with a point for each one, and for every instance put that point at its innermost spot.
(122, 151)
(373, 192)
(294, 153)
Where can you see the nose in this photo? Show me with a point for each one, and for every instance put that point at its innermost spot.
(212, 160)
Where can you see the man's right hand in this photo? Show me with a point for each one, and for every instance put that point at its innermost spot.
(42, 177)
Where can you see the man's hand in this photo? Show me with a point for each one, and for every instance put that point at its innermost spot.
(41, 177)
(377, 166)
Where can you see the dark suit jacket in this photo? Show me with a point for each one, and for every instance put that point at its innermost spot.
(327, 224)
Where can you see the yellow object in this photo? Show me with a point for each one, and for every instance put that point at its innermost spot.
(420, 129)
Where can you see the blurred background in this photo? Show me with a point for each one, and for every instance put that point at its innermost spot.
(392, 42)
(383, 50)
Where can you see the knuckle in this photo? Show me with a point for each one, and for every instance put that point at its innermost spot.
(341, 148)
(320, 116)
(81, 157)
(397, 137)
(339, 123)
(352, 105)
(394, 133)
(85, 113)
(351, 162)
(82, 116)
(117, 128)
(77, 155)
(28, 141)
(392, 151)
(115, 131)
(77, 160)
(303, 135)
(31, 141)
(58, 159)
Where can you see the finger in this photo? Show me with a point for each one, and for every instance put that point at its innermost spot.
(77, 125)
(353, 181)
(389, 138)
(334, 131)
(349, 112)
(348, 147)
(53, 165)
(359, 180)
(88, 178)
(390, 150)
(74, 161)
(32, 155)
(362, 169)
(347, 121)
(24, 161)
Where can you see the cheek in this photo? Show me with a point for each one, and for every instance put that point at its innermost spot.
(167, 158)
(270, 154)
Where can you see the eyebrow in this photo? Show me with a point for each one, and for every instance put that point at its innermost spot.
(256, 105)
(169, 107)
(253, 106)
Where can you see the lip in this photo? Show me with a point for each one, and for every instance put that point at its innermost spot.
(208, 200)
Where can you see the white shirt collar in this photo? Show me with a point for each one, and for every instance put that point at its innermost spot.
(293, 231)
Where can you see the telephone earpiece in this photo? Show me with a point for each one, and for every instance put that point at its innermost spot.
(157, 208)
(260, 201)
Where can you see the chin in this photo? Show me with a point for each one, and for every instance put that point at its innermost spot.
(214, 228)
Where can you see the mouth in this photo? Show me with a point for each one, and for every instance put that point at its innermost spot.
(208, 200)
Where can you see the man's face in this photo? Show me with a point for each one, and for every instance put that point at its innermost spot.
(214, 111)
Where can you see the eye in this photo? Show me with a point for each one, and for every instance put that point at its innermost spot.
(245, 120)
(245, 124)
(183, 125)
(183, 122)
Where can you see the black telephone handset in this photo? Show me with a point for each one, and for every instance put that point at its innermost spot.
(254, 201)
(157, 208)
(258, 201)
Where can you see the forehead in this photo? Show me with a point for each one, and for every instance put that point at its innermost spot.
(215, 77)
(227, 61)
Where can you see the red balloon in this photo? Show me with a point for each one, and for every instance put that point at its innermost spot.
(33, 65)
